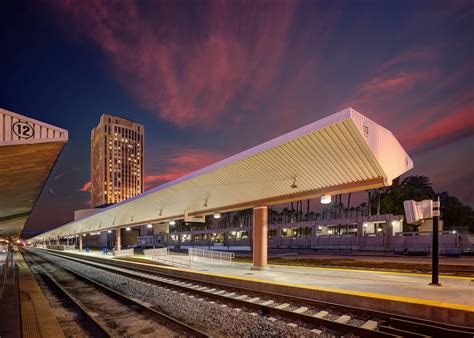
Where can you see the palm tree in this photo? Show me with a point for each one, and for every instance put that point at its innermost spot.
(369, 202)
(274, 214)
(363, 208)
(346, 212)
(307, 206)
(379, 193)
(419, 182)
(351, 211)
(285, 213)
(291, 215)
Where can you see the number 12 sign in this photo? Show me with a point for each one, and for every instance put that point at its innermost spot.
(23, 130)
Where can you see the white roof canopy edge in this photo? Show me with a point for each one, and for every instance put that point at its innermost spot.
(340, 153)
(28, 151)
(43, 132)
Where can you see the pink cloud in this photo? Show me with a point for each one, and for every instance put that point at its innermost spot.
(86, 187)
(424, 105)
(188, 78)
(458, 122)
(180, 161)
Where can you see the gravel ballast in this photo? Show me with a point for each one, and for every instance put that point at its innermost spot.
(210, 317)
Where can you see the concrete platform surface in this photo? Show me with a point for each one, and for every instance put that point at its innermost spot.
(10, 322)
(36, 316)
(367, 257)
(454, 291)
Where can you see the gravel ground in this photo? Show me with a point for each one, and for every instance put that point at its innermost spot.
(212, 318)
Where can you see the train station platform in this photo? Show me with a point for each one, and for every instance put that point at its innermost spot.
(25, 310)
(403, 293)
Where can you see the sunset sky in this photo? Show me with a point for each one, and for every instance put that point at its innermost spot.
(212, 78)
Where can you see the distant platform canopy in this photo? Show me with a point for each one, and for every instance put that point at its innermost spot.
(341, 153)
(28, 151)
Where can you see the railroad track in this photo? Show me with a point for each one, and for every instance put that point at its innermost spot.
(343, 319)
(111, 313)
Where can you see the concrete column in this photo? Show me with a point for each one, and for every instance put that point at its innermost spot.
(260, 238)
(118, 239)
(278, 235)
(80, 242)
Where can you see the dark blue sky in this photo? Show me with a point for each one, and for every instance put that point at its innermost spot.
(208, 79)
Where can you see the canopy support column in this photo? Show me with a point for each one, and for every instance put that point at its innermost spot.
(118, 239)
(260, 238)
(80, 242)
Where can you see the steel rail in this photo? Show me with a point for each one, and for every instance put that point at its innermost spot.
(77, 303)
(131, 300)
(340, 327)
(437, 328)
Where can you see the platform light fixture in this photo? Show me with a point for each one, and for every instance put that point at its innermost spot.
(365, 225)
(172, 222)
(326, 199)
(149, 226)
(217, 215)
(128, 229)
(293, 185)
(109, 231)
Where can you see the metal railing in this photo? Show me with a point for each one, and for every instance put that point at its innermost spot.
(218, 256)
(152, 253)
(61, 247)
(123, 252)
(175, 260)
(162, 255)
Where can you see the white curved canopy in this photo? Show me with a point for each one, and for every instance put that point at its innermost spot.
(341, 153)
(28, 151)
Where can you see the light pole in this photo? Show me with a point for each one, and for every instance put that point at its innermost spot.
(435, 244)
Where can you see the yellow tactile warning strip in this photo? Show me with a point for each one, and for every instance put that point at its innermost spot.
(326, 289)
(364, 270)
(37, 318)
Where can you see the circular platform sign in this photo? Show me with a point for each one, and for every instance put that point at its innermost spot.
(23, 130)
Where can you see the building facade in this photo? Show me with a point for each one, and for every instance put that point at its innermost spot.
(377, 233)
(117, 156)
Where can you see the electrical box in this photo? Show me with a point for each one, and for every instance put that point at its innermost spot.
(415, 212)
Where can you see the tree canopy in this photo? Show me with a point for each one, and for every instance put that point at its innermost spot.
(453, 212)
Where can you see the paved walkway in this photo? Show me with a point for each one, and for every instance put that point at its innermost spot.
(10, 323)
(23, 298)
(455, 290)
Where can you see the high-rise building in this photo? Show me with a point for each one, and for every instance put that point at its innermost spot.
(116, 160)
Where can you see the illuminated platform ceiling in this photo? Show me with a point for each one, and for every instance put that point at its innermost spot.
(28, 151)
(341, 153)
